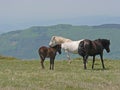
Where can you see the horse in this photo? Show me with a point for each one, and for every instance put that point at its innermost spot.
(92, 48)
(67, 45)
(49, 52)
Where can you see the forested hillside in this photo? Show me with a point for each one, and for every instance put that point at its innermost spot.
(25, 43)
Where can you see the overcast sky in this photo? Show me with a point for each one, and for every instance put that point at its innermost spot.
(17, 14)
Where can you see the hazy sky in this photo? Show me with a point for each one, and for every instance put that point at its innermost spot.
(17, 14)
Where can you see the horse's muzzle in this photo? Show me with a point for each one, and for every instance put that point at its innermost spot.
(59, 52)
(108, 51)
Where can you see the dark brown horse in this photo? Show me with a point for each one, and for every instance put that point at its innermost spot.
(49, 52)
(92, 48)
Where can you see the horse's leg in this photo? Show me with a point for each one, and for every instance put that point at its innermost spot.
(53, 64)
(84, 61)
(42, 61)
(101, 56)
(68, 56)
(93, 62)
(50, 63)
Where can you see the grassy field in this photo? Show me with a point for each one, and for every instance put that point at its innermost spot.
(28, 75)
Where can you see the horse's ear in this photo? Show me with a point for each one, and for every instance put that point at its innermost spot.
(108, 40)
(53, 37)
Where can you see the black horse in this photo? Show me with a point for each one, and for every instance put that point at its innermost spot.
(92, 48)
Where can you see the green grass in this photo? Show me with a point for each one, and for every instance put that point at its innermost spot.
(28, 75)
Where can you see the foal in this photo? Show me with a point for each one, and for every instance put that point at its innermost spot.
(49, 52)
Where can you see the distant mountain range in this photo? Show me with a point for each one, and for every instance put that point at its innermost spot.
(82, 20)
(24, 44)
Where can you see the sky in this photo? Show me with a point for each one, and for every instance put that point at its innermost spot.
(21, 14)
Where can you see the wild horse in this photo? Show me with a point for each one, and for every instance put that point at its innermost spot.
(49, 52)
(92, 48)
(67, 45)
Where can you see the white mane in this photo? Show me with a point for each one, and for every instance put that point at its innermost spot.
(58, 40)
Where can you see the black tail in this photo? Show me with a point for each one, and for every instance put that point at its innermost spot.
(81, 44)
(81, 50)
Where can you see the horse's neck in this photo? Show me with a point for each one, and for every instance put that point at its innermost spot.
(65, 40)
(53, 49)
(97, 44)
(68, 40)
(61, 41)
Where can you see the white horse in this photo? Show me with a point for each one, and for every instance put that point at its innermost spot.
(67, 45)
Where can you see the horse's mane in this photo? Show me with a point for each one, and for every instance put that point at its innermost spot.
(105, 42)
(61, 39)
(58, 45)
(97, 39)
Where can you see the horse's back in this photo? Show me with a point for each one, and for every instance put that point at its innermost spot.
(71, 46)
(68, 40)
(43, 49)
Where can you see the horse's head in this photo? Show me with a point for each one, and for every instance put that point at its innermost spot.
(58, 48)
(106, 44)
(53, 41)
(57, 40)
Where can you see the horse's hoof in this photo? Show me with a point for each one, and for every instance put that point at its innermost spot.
(69, 62)
(104, 68)
(43, 68)
(85, 68)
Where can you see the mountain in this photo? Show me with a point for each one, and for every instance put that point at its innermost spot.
(24, 44)
(108, 26)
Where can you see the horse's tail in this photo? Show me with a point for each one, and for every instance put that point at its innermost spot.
(42, 57)
(81, 50)
(81, 44)
(39, 51)
(40, 54)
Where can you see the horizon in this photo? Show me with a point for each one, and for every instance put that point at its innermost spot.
(58, 24)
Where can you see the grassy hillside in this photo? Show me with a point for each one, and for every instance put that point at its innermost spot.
(28, 75)
(25, 43)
